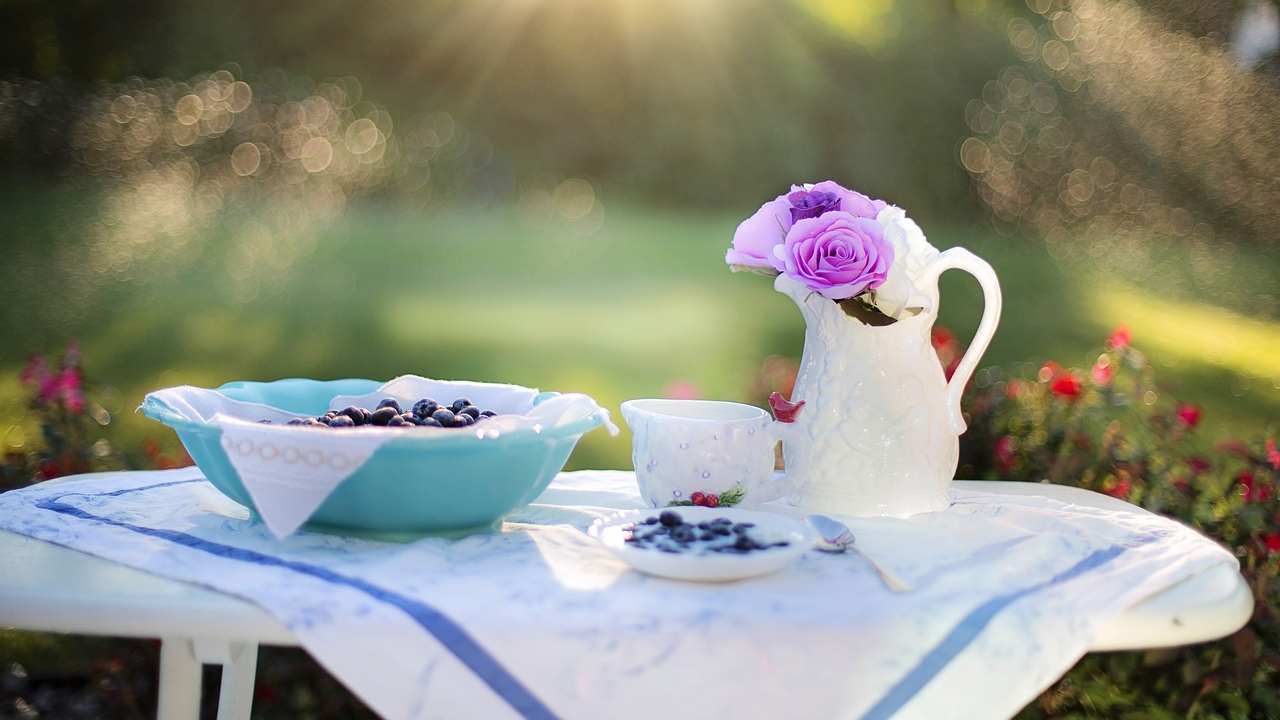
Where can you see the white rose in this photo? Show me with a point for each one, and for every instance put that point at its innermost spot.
(899, 295)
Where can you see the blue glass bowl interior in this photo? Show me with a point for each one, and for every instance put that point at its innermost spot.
(412, 486)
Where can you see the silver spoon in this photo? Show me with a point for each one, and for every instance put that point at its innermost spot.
(836, 537)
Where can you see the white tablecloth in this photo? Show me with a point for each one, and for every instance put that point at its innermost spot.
(539, 621)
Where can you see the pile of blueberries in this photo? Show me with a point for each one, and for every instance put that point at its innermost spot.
(669, 533)
(424, 413)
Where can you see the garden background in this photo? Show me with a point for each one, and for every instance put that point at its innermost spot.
(541, 192)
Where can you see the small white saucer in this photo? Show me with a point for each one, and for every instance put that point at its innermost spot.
(708, 566)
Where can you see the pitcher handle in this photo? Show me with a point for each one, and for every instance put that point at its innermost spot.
(961, 259)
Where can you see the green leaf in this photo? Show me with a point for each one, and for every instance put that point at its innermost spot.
(859, 309)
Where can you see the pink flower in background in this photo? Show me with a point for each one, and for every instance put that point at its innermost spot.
(836, 255)
(69, 390)
(680, 390)
(35, 372)
(1197, 464)
(1120, 338)
(1273, 453)
(1102, 372)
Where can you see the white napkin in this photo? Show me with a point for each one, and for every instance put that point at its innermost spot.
(290, 470)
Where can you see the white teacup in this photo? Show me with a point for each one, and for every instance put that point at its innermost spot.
(682, 447)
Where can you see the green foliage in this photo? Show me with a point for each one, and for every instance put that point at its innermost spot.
(1112, 429)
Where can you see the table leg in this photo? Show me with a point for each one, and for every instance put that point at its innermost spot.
(235, 698)
(179, 681)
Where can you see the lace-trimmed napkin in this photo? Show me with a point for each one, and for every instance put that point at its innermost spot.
(289, 470)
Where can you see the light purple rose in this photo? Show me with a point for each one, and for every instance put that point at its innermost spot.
(837, 254)
(756, 237)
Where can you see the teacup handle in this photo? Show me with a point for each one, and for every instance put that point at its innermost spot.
(961, 259)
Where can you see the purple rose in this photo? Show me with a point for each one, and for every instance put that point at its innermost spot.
(756, 237)
(851, 201)
(811, 203)
(837, 254)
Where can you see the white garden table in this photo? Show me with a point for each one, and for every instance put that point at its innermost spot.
(45, 587)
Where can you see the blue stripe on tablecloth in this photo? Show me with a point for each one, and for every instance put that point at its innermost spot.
(446, 631)
(966, 631)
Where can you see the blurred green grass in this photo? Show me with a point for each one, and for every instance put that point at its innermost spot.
(494, 294)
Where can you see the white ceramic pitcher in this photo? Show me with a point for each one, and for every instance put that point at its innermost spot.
(879, 430)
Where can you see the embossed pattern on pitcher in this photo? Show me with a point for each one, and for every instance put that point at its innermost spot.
(874, 437)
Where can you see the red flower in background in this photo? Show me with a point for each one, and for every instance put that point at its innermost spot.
(1273, 454)
(949, 351)
(1120, 338)
(1067, 385)
(1004, 453)
(1272, 541)
(1197, 464)
(1120, 489)
(1189, 415)
(1251, 490)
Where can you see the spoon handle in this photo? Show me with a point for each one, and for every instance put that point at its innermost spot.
(891, 582)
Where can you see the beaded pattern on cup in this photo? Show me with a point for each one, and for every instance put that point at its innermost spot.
(269, 452)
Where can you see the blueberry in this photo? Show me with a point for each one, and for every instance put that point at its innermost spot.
(397, 421)
(473, 411)
(742, 527)
(391, 403)
(682, 533)
(651, 520)
(720, 530)
(704, 525)
(722, 521)
(461, 420)
(488, 413)
(444, 416)
(459, 404)
(264, 422)
(429, 422)
(424, 407)
(355, 414)
(296, 421)
(744, 543)
(342, 421)
(707, 535)
(316, 423)
(669, 518)
(383, 415)
(781, 543)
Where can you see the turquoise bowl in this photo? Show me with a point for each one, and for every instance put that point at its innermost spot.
(410, 487)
